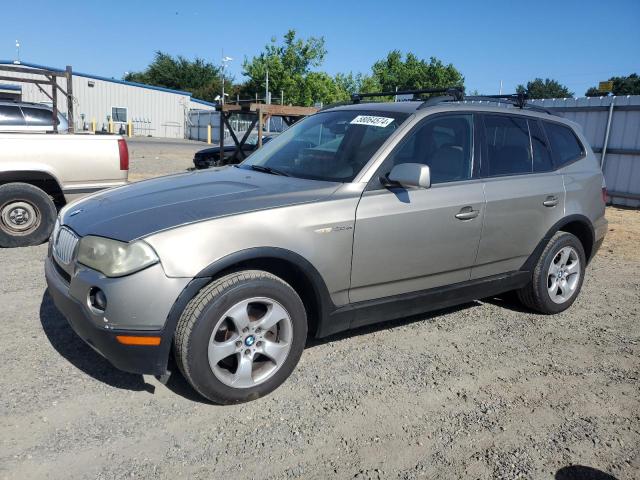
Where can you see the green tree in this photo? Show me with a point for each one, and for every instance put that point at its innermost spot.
(201, 78)
(629, 85)
(414, 73)
(547, 88)
(289, 64)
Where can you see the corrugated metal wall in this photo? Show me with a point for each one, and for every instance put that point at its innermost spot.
(622, 157)
(154, 112)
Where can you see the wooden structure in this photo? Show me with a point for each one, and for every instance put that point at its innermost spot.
(262, 112)
(43, 78)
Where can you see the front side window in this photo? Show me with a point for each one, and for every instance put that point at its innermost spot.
(37, 116)
(10, 115)
(564, 144)
(119, 114)
(444, 143)
(508, 151)
(331, 146)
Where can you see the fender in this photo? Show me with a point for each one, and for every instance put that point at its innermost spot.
(323, 300)
(530, 263)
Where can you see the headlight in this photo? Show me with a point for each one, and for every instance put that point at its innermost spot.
(54, 233)
(113, 258)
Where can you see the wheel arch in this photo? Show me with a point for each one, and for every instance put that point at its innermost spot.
(43, 180)
(290, 266)
(578, 225)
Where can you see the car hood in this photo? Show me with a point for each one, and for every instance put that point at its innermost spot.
(208, 151)
(146, 207)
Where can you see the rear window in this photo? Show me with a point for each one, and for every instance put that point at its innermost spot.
(10, 115)
(508, 148)
(565, 147)
(37, 116)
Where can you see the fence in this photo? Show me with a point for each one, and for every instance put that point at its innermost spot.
(612, 126)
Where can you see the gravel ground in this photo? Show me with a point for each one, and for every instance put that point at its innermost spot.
(486, 390)
(153, 157)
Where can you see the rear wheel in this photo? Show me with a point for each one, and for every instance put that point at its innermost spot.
(27, 215)
(241, 336)
(557, 277)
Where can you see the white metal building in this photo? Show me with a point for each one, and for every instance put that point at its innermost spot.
(154, 111)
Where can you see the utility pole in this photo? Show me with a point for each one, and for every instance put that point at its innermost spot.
(224, 66)
(17, 60)
(266, 94)
(222, 97)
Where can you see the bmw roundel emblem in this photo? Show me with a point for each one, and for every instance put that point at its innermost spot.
(250, 340)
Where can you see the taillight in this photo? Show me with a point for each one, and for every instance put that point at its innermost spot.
(604, 194)
(124, 154)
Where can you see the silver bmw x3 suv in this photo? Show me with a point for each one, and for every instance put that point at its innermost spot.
(357, 214)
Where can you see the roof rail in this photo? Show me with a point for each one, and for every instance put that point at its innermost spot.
(517, 99)
(456, 92)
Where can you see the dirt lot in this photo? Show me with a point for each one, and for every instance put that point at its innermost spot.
(152, 157)
(486, 390)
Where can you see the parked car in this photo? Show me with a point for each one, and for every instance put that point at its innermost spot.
(41, 173)
(210, 157)
(357, 214)
(29, 117)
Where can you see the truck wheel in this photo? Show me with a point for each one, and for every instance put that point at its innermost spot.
(557, 277)
(27, 215)
(241, 336)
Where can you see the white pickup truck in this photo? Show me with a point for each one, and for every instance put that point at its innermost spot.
(40, 173)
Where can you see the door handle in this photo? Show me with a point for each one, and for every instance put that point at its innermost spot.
(551, 201)
(467, 213)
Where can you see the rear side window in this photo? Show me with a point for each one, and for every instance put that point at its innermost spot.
(541, 154)
(565, 147)
(37, 116)
(507, 145)
(10, 115)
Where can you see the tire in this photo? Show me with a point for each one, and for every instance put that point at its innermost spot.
(546, 292)
(212, 322)
(27, 215)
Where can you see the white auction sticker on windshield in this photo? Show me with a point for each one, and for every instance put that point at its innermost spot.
(371, 121)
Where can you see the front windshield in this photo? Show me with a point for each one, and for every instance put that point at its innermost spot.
(331, 146)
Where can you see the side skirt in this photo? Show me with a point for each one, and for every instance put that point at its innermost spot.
(405, 305)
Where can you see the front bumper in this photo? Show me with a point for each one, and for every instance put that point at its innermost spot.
(139, 359)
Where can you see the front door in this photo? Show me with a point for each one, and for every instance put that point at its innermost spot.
(408, 240)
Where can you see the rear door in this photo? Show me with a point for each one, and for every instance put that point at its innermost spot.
(413, 239)
(525, 197)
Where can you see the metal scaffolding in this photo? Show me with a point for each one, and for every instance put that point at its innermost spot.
(262, 112)
(44, 78)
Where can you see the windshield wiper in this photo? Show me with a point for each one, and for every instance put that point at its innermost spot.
(272, 171)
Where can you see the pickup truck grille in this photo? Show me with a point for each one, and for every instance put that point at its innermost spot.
(65, 245)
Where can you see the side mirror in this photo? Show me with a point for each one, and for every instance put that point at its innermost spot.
(411, 175)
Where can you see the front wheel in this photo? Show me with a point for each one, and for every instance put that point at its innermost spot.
(27, 215)
(241, 336)
(557, 277)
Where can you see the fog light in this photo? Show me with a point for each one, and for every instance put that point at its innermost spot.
(97, 299)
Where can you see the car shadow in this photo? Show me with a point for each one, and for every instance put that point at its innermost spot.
(508, 300)
(389, 324)
(82, 356)
(580, 472)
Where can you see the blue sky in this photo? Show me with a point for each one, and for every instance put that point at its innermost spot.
(576, 42)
